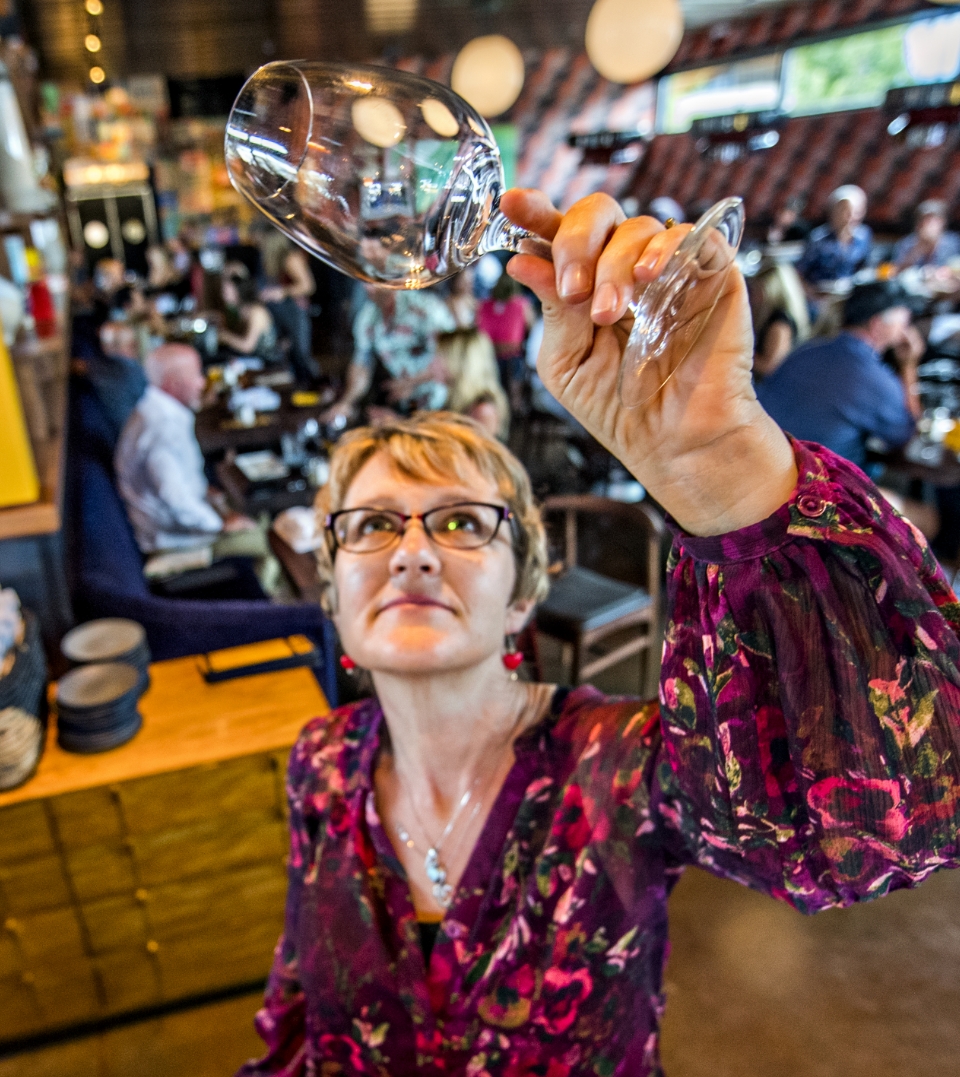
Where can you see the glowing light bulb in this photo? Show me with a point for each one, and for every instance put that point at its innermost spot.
(97, 75)
(94, 7)
(92, 43)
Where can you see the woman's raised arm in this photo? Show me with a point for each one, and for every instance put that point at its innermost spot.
(810, 691)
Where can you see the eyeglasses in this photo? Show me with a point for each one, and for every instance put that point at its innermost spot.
(464, 526)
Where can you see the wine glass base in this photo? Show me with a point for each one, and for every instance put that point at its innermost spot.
(672, 311)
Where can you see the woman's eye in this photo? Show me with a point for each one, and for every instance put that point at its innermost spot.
(372, 524)
(462, 521)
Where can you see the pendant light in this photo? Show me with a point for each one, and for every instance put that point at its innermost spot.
(631, 40)
(488, 73)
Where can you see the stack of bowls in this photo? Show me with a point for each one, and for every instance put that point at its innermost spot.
(23, 714)
(97, 706)
(110, 639)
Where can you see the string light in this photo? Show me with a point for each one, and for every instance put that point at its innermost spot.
(92, 43)
(97, 75)
(94, 7)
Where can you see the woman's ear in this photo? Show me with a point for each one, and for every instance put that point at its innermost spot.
(518, 614)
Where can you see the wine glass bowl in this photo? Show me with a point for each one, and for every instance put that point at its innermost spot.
(389, 177)
(395, 180)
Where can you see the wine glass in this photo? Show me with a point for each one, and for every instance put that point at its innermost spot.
(395, 180)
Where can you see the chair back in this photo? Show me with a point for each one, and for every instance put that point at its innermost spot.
(618, 539)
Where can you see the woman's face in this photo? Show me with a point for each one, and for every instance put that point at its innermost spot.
(417, 607)
(229, 292)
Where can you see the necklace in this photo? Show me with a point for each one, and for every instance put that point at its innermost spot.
(433, 866)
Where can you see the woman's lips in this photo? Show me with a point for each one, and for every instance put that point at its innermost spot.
(414, 600)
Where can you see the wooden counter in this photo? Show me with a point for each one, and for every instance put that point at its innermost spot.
(155, 872)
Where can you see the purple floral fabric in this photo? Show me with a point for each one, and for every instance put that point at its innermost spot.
(807, 744)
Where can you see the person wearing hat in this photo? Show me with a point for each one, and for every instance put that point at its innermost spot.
(929, 244)
(838, 392)
(837, 249)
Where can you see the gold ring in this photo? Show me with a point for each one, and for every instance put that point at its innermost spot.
(669, 222)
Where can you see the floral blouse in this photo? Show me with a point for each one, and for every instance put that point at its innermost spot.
(806, 744)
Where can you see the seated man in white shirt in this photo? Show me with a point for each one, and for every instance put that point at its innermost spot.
(160, 474)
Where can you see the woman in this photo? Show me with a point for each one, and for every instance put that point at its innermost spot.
(781, 318)
(807, 743)
(506, 317)
(257, 334)
(475, 389)
(289, 302)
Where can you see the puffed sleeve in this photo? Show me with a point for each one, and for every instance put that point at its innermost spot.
(810, 698)
(280, 1021)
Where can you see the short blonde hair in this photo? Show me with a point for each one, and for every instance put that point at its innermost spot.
(438, 446)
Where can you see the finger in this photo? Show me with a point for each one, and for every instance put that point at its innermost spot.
(579, 242)
(532, 210)
(658, 252)
(535, 274)
(615, 282)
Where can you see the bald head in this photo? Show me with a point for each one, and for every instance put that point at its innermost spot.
(177, 370)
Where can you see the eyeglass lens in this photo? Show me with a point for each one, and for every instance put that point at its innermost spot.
(463, 527)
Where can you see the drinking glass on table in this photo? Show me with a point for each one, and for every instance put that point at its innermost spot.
(395, 180)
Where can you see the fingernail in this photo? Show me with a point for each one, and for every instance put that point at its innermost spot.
(649, 260)
(606, 299)
(575, 281)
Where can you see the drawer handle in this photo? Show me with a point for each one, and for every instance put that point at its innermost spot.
(153, 946)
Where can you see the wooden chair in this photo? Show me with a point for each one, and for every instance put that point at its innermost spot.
(586, 606)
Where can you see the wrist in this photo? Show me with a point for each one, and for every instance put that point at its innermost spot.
(735, 481)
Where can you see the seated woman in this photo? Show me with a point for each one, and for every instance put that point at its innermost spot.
(475, 389)
(479, 866)
(781, 318)
(257, 335)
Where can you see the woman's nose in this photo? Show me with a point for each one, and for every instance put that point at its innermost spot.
(414, 552)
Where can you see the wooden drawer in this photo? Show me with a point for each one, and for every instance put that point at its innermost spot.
(210, 964)
(89, 817)
(117, 923)
(184, 797)
(46, 999)
(24, 832)
(226, 907)
(213, 847)
(97, 871)
(19, 1007)
(129, 979)
(31, 885)
(220, 907)
(49, 939)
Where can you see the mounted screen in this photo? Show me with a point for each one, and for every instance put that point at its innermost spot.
(856, 71)
(744, 86)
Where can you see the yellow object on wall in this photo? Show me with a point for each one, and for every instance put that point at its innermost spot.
(19, 484)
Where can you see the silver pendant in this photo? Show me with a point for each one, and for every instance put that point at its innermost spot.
(437, 874)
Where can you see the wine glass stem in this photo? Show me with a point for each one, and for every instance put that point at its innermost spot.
(502, 234)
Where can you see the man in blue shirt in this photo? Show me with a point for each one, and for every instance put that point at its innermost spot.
(836, 250)
(838, 392)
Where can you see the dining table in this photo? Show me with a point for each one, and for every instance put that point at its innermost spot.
(219, 430)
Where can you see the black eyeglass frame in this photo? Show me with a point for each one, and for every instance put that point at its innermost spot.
(503, 513)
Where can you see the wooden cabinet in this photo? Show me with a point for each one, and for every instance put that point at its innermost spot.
(155, 872)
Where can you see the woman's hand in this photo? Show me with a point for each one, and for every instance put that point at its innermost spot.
(703, 446)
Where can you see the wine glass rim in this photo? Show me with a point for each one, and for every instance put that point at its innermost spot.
(231, 128)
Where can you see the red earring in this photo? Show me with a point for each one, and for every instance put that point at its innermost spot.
(347, 664)
(512, 659)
